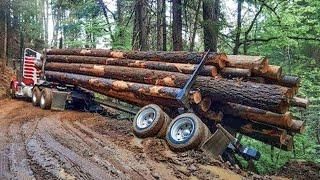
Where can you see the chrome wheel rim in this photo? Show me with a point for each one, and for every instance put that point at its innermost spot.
(42, 101)
(146, 118)
(34, 98)
(182, 129)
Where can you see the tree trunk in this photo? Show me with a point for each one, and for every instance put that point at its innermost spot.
(141, 19)
(46, 23)
(160, 24)
(177, 25)
(238, 29)
(211, 24)
(162, 66)
(218, 60)
(195, 27)
(269, 97)
(120, 22)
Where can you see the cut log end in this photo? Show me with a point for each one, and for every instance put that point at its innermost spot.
(298, 126)
(195, 97)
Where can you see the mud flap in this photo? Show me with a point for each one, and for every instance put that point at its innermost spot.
(216, 144)
(59, 100)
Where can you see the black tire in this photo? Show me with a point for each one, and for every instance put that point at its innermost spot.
(195, 137)
(207, 135)
(46, 98)
(163, 131)
(153, 112)
(36, 96)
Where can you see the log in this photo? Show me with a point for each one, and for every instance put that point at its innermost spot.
(262, 132)
(299, 102)
(259, 65)
(258, 115)
(287, 81)
(271, 72)
(116, 85)
(269, 97)
(173, 57)
(247, 62)
(163, 66)
(235, 72)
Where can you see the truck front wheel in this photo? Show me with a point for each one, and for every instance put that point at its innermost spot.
(186, 132)
(36, 96)
(46, 98)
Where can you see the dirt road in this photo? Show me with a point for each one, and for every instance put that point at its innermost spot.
(38, 144)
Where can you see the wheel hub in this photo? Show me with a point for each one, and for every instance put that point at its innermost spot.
(146, 118)
(182, 129)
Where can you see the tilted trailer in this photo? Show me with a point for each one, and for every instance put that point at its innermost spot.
(181, 125)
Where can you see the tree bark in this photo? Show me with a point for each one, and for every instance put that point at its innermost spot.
(218, 60)
(164, 22)
(121, 35)
(141, 19)
(211, 24)
(177, 25)
(160, 24)
(269, 97)
(163, 66)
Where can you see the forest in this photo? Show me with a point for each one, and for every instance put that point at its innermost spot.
(286, 31)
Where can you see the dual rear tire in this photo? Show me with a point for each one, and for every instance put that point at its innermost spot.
(185, 132)
(42, 98)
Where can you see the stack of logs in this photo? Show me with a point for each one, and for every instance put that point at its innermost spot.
(244, 93)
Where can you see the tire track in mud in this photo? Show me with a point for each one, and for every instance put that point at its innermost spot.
(17, 153)
(10, 167)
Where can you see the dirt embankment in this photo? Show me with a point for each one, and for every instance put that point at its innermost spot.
(73, 145)
(5, 77)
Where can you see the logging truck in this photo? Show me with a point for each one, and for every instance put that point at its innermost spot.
(184, 132)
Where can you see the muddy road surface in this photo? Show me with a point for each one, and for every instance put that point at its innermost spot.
(38, 144)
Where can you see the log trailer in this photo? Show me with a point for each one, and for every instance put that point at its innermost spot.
(184, 132)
